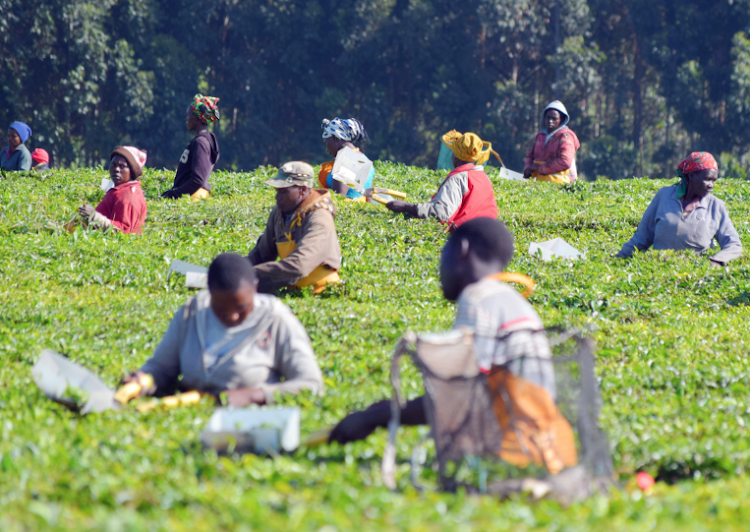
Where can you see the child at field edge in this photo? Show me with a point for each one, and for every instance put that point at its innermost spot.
(124, 205)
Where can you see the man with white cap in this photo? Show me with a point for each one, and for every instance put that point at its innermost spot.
(300, 232)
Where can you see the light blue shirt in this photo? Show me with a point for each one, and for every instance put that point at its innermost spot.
(666, 226)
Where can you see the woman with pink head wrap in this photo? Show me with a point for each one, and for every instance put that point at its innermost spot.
(124, 205)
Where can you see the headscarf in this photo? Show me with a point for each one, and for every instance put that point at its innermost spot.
(350, 130)
(558, 106)
(695, 162)
(22, 129)
(136, 158)
(40, 156)
(469, 147)
(205, 108)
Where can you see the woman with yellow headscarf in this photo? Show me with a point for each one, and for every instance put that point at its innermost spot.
(466, 193)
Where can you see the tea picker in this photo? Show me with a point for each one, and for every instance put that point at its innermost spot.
(350, 172)
(466, 193)
(501, 416)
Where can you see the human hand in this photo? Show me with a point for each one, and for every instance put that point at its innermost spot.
(715, 263)
(245, 396)
(86, 210)
(144, 380)
(527, 173)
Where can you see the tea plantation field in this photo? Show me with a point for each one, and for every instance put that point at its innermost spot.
(672, 334)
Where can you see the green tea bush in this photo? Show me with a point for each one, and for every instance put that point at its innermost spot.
(672, 361)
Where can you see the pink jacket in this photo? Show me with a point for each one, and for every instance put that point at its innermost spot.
(558, 154)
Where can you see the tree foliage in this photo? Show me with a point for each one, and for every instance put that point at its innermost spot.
(645, 82)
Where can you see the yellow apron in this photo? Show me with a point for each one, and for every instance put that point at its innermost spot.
(320, 276)
(562, 178)
(200, 194)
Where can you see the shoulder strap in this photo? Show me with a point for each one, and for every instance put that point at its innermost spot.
(259, 329)
(190, 308)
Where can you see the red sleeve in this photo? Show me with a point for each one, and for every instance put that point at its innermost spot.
(566, 152)
(105, 206)
(530, 156)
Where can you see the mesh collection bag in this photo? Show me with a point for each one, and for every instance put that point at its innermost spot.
(541, 409)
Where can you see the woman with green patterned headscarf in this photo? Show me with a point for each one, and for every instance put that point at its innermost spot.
(198, 159)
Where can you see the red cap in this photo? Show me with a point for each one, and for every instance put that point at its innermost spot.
(41, 156)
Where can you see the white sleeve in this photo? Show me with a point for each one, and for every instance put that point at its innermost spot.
(448, 199)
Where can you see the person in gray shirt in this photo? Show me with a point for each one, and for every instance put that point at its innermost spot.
(231, 339)
(16, 157)
(688, 216)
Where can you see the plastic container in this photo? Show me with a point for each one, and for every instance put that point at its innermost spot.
(511, 175)
(195, 276)
(71, 384)
(256, 430)
(352, 168)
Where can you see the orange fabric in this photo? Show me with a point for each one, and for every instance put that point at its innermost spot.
(325, 169)
(533, 429)
(320, 277)
(519, 278)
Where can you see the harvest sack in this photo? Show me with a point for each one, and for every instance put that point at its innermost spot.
(501, 414)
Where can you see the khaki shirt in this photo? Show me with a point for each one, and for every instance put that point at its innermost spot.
(312, 230)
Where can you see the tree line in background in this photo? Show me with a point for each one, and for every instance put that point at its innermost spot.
(645, 82)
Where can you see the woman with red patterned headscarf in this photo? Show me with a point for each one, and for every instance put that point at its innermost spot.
(688, 216)
(198, 159)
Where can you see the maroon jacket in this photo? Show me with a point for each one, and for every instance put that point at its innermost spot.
(558, 154)
(125, 206)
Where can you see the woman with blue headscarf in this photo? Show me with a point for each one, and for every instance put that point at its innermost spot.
(337, 134)
(16, 157)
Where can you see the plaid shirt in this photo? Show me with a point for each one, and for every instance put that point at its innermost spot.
(507, 332)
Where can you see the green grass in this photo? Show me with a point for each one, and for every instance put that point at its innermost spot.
(672, 360)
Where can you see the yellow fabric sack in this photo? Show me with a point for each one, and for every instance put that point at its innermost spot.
(320, 277)
(200, 194)
(561, 178)
(469, 147)
(533, 429)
